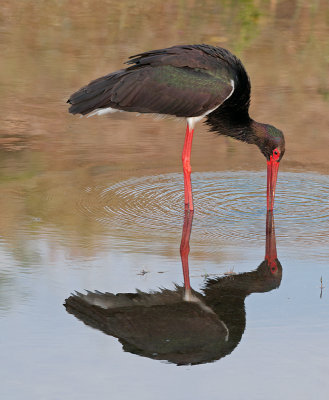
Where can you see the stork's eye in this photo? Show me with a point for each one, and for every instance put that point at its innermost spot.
(276, 154)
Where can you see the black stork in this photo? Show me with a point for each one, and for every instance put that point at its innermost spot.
(192, 81)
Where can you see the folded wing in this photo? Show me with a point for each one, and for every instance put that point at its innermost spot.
(180, 81)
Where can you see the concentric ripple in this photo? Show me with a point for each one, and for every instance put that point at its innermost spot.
(229, 205)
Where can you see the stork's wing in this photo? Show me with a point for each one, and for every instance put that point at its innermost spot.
(180, 81)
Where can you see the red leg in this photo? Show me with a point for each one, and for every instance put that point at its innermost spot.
(185, 248)
(186, 157)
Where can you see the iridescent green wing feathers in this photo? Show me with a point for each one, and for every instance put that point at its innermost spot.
(184, 81)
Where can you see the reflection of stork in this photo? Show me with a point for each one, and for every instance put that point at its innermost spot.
(181, 325)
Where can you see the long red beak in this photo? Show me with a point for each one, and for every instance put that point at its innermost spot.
(272, 174)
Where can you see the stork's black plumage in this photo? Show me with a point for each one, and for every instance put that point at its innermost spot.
(192, 81)
(185, 81)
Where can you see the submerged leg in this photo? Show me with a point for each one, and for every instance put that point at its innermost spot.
(186, 157)
(185, 249)
(184, 253)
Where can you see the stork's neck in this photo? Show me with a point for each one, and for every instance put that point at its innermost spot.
(226, 123)
(238, 126)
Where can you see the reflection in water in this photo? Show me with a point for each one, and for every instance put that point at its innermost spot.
(181, 326)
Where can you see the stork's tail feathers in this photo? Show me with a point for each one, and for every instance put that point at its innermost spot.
(96, 95)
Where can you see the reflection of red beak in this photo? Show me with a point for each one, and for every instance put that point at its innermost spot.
(272, 174)
(270, 253)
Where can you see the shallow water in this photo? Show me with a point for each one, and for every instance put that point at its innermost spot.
(97, 204)
(230, 205)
